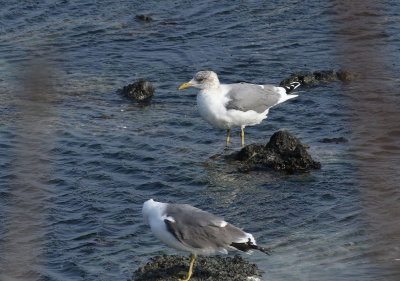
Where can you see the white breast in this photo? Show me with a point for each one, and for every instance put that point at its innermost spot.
(211, 108)
(211, 105)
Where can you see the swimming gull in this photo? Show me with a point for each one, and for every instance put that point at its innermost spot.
(187, 228)
(227, 106)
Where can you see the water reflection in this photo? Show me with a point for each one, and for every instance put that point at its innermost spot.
(24, 239)
(363, 46)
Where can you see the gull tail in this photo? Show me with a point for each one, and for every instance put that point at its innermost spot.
(247, 246)
(291, 87)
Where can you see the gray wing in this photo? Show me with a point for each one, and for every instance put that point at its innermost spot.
(246, 97)
(199, 229)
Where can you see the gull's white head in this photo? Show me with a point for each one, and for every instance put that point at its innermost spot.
(203, 80)
(147, 209)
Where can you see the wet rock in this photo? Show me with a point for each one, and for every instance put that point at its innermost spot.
(144, 17)
(283, 152)
(304, 77)
(214, 268)
(140, 91)
(335, 140)
(149, 18)
(325, 76)
(345, 75)
(308, 79)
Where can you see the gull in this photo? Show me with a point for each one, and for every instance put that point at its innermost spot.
(227, 106)
(187, 228)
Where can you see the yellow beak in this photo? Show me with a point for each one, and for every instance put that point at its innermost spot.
(185, 85)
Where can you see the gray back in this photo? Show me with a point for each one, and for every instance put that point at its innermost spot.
(199, 229)
(246, 97)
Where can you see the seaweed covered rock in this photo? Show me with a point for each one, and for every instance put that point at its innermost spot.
(282, 153)
(308, 79)
(141, 91)
(214, 268)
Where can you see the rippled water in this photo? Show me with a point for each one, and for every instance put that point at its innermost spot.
(77, 160)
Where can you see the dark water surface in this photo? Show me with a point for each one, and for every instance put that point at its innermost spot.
(77, 161)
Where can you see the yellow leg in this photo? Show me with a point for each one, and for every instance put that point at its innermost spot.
(228, 136)
(242, 135)
(192, 258)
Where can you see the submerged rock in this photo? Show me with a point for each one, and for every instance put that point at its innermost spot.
(140, 91)
(308, 79)
(214, 268)
(345, 75)
(335, 140)
(149, 18)
(283, 152)
(325, 75)
(144, 17)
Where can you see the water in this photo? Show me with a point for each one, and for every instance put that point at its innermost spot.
(77, 160)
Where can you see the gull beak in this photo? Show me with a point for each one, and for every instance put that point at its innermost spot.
(186, 85)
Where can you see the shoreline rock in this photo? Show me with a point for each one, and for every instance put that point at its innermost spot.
(141, 91)
(283, 152)
(214, 268)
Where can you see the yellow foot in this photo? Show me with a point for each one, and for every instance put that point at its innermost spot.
(242, 135)
(189, 274)
(187, 279)
(228, 135)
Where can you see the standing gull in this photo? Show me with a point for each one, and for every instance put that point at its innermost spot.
(227, 106)
(190, 229)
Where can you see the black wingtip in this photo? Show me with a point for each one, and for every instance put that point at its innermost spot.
(244, 247)
(264, 250)
(292, 86)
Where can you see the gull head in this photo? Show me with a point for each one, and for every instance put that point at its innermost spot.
(148, 209)
(203, 80)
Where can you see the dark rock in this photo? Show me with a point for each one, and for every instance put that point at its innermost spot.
(345, 75)
(215, 268)
(149, 18)
(144, 17)
(282, 153)
(335, 140)
(304, 77)
(140, 91)
(325, 75)
(308, 79)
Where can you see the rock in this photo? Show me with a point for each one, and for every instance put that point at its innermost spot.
(282, 153)
(335, 140)
(345, 75)
(149, 18)
(308, 79)
(214, 268)
(325, 75)
(144, 17)
(140, 91)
